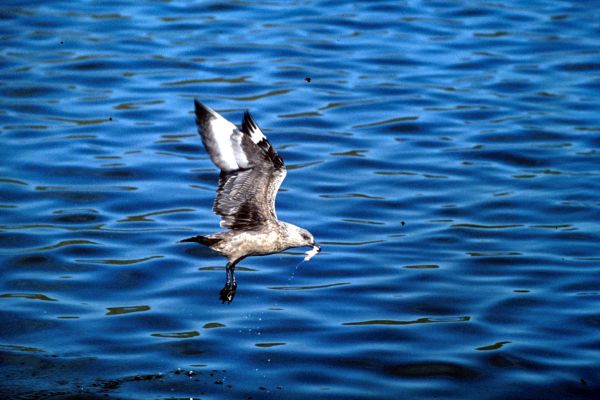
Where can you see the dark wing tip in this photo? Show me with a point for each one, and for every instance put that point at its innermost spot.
(248, 123)
(249, 127)
(200, 109)
(203, 114)
(276, 160)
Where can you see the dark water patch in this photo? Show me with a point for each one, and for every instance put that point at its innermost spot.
(84, 64)
(35, 260)
(177, 335)
(495, 346)
(579, 67)
(81, 122)
(421, 266)
(126, 310)
(13, 181)
(386, 122)
(30, 376)
(172, 154)
(119, 262)
(351, 196)
(512, 158)
(432, 370)
(367, 222)
(76, 218)
(145, 217)
(71, 197)
(66, 243)
(513, 86)
(479, 226)
(212, 325)
(270, 344)
(16, 240)
(30, 92)
(424, 320)
(495, 254)
(8, 347)
(120, 173)
(181, 148)
(313, 287)
(30, 296)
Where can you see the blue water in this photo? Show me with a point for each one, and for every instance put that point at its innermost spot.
(445, 154)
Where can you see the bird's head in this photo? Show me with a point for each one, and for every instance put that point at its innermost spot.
(299, 237)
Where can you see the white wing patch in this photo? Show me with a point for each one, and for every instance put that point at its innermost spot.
(238, 152)
(222, 139)
(231, 148)
(222, 146)
(256, 135)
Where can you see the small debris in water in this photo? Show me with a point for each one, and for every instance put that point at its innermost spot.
(308, 79)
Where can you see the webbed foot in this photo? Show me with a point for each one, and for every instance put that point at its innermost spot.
(228, 293)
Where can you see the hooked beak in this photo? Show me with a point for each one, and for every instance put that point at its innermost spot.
(317, 246)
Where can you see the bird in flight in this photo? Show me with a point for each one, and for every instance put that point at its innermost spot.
(251, 173)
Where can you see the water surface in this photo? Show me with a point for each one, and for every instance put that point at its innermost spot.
(445, 153)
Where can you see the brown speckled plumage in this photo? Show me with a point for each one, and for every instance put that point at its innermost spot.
(251, 173)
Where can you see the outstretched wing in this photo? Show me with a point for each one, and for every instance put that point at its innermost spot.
(226, 145)
(246, 198)
(250, 127)
(251, 169)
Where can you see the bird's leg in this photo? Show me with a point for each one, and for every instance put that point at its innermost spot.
(230, 279)
(228, 274)
(233, 281)
(228, 292)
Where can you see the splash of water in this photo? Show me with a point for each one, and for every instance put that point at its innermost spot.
(295, 269)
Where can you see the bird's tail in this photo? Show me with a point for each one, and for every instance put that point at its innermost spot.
(205, 240)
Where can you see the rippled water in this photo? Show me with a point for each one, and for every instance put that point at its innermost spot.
(445, 153)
